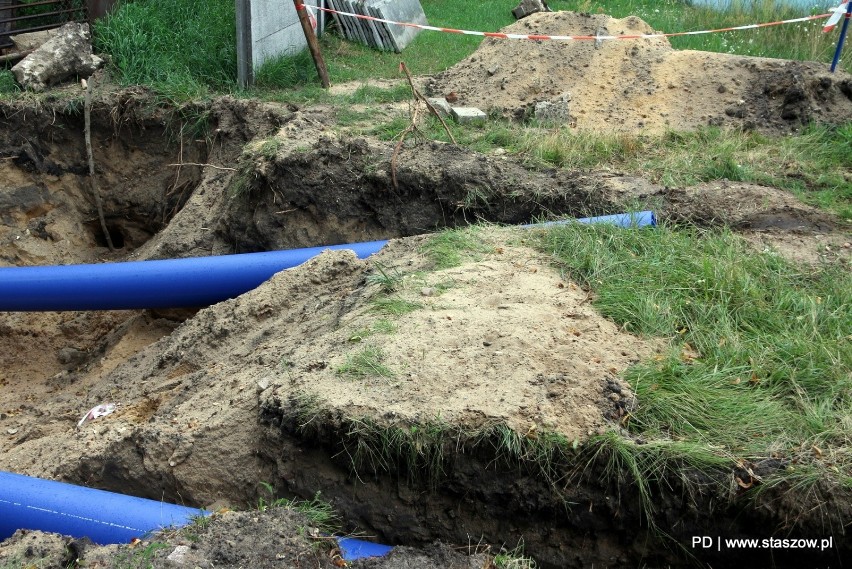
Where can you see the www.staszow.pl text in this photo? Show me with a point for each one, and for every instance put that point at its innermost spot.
(720, 543)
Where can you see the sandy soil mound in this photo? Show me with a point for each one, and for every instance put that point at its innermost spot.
(508, 342)
(641, 85)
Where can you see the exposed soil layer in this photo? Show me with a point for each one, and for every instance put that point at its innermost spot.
(433, 440)
(641, 85)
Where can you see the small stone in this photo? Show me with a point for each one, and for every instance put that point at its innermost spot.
(263, 384)
(11, 431)
(486, 344)
(177, 557)
(847, 245)
(427, 291)
(493, 70)
(615, 397)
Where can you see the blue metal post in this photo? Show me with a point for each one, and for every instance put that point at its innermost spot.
(842, 36)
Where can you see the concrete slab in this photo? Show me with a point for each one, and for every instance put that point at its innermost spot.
(360, 36)
(267, 29)
(371, 27)
(468, 115)
(409, 11)
(383, 29)
(378, 34)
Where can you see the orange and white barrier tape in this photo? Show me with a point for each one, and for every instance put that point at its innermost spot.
(500, 35)
(838, 13)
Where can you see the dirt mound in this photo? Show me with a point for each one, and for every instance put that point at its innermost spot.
(641, 85)
(413, 397)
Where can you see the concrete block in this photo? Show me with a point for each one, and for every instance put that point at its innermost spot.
(441, 105)
(468, 115)
(554, 111)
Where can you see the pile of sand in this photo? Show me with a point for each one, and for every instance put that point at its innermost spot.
(641, 85)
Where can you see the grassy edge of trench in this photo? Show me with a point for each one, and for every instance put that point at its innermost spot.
(756, 386)
(751, 400)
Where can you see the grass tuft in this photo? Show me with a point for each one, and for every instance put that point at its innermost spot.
(451, 248)
(366, 363)
(286, 72)
(8, 85)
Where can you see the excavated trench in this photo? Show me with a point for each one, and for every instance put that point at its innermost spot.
(258, 177)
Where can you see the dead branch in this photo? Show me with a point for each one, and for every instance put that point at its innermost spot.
(408, 130)
(203, 166)
(87, 115)
(419, 96)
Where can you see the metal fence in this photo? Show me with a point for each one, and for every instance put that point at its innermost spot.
(21, 16)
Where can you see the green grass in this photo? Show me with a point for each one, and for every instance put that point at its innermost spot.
(182, 48)
(8, 85)
(451, 248)
(394, 305)
(369, 362)
(760, 353)
(381, 326)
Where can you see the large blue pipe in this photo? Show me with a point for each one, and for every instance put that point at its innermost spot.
(179, 283)
(106, 517)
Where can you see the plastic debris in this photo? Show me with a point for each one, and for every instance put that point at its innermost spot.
(97, 412)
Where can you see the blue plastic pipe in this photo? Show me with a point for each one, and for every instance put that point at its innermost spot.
(107, 517)
(181, 283)
(103, 517)
(171, 283)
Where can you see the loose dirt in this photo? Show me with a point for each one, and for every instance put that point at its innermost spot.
(641, 85)
(417, 426)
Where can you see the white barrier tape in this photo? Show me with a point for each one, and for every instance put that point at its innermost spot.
(596, 38)
(838, 13)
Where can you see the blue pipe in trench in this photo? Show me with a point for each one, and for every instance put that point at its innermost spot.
(106, 517)
(180, 283)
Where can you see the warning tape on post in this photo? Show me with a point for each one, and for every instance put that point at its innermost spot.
(836, 13)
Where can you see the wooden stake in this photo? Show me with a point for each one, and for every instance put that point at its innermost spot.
(313, 44)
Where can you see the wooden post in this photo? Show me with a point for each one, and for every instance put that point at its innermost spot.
(313, 44)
